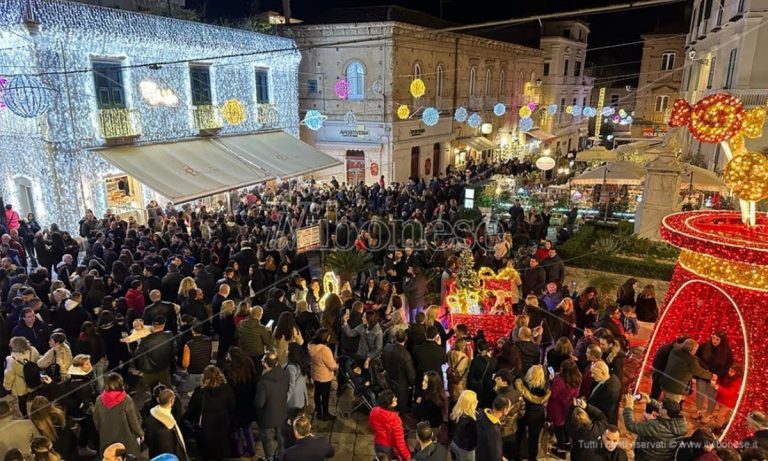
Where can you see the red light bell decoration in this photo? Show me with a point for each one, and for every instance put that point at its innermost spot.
(704, 298)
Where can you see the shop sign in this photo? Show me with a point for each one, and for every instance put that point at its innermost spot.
(357, 132)
(307, 238)
(417, 132)
(654, 132)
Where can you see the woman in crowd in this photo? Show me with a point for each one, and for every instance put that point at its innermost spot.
(298, 368)
(387, 428)
(535, 393)
(307, 321)
(227, 329)
(370, 292)
(715, 356)
(116, 417)
(42, 450)
(51, 422)
(564, 323)
(480, 375)
(646, 307)
(458, 367)
(565, 388)
(286, 332)
(586, 310)
(464, 420)
(431, 404)
(210, 411)
(562, 351)
(509, 358)
(625, 296)
(13, 379)
(323, 369)
(433, 320)
(330, 319)
(240, 373)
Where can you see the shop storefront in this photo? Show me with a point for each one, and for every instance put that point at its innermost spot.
(420, 150)
(362, 149)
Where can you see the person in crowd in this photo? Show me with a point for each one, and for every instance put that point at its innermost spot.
(17, 434)
(480, 374)
(657, 438)
(323, 369)
(611, 321)
(226, 329)
(586, 309)
(427, 448)
(613, 355)
(608, 446)
(584, 425)
(431, 355)
(489, 441)
(42, 450)
(254, 338)
(646, 307)
(299, 369)
(626, 294)
(210, 411)
(535, 391)
(56, 361)
(682, 366)
(528, 350)
(371, 336)
(716, 357)
(565, 389)
(551, 297)
(555, 267)
(286, 332)
(401, 373)
(387, 428)
(562, 352)
(534, 279)
(15, 380)
(163, 434)
(33, 329)
(157, 355)
(271, 404)
(606, 388)
(240, 373)
(458, 367)
(308, 447)
(563, 322)
(464, 426)
(431, 404)
(196, 355)
(728, 389)
(504, 385)
(161, 307)
(757, 423)
(116, 418)
(80, 391)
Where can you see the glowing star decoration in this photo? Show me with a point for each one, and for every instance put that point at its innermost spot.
(313, 119)
(608, 111)
(716, 118)
(430, 116)
(234, 112)
(524, 112)
(532, 106)
(746, 175)
(681, 113)
(154, 95)
(499, 109)
(576, 110)
(403, 112)
(342, 89)
(754, 120)
(461, 115)
(569, 110)
(418, 88)
(552, 109)
(26, 96)
(475, 120)
(525, 124)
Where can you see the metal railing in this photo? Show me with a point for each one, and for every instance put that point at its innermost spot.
(267, 115)
(119, 123)
(750, 97)
(207, 117)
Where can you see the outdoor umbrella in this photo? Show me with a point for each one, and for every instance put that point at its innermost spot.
(694, 177)
(597, 154)
(620, 173)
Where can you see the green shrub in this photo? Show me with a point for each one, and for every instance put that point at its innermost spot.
(625, 228)
(468, 214)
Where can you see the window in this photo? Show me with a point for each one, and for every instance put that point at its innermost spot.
(662, 102)
(741, 6)
(472, 78)
(614, 99)
(720, 9)
(708, 10)
(577, 71)
(668, 60)
(711, 76)
(502, 84)
(439, 75)
(565, 69)
(567, 33)
(417, 70)
(729, 76)
(262, 86)
(312, 86)
(108, 78)
(356, 79)
(26, 198)
(546, 68)
(200, 82)
(488, 80)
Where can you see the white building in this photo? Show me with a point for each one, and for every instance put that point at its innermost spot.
(141, 107)
(725, 51)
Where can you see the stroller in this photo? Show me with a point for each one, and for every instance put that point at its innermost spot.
(365, 384)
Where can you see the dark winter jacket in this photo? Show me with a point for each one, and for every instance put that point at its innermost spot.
(401, 372)
(156, 352)
(212, 408)
(271, 401)
(429, 357)
(582, 437)
(658, 437)
(605, 396)
(433, 452)
(529, 354)
(465, 433)
(480, 379)
(681, 368)
(160, 438)
(488, 437)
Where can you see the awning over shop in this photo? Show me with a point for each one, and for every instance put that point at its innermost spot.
(187, 170)
(481, 143)
(540, 134)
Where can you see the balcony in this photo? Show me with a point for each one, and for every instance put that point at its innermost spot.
(119, 125)
(207, 119)
(749, 97)
(267, 116)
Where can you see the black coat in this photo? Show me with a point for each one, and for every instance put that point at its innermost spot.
(170, 286)
(480, 379)
(582, 437)
(162, 309)
(530, 354)
(606, 398)
(160, 439)
(681, 368)
(245, 258)
(70, 320)
(312, 448)
(488, 439)
(429, 357)
(416, 336)
(401, 372)
(534, 281)
(465, 433)
(206, 282)
(216, 406)
(271, 401)
(156, 352)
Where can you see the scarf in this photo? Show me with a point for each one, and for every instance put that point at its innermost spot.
(165, 416)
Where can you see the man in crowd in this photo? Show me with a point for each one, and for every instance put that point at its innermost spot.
(401, 372)
(271, 405)
(489, 440)
(308, 447)
(157, 355)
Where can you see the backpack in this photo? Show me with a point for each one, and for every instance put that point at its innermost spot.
(31, 372)
(454, 377)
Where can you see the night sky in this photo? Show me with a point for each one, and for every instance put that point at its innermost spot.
(607, 29)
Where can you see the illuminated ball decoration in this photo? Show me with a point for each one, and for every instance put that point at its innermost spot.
(403, 112)
(524, 112)
(532, 106)
(313, 119)
(475, 120)
(154, 95)
(418, 88)
(460, 115)
(430, 116)
(552, 109)
(754, 120)
(608, 111)
(499, 109)
(234, 112)
(576, 110)
(716, 118)
(622, 113)
(525, 124)
(737, 144)
(747, 176)
(616, 118)
(569, 110)
(681, 113)
(342, 89)
(26, 96)
(545, 163)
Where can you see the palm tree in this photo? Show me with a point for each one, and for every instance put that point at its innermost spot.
(346, 264)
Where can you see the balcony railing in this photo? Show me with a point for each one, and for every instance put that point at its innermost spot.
(749, 97)
(207, 117)
(119, 123)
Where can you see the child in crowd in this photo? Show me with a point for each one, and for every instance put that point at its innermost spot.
(139, 332)
(728, 392)
(629, 320)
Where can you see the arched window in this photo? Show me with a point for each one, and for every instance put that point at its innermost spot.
(668, 60)
(662, 102)
(439, 76)
(502, 84)
(417, 70)
(356, 78)
(488, 82)
(472, 79)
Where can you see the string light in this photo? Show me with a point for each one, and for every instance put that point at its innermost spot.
(26, 96)
(342, 89)
(716, 118)
(461, 115)
(313, 119)
(430, 116)
(475, 120)
(499, 109)
(680, 114)
(3, 81)
(403, 112)
(418, 88)
(608, 111)
(746, 175)
(743, 275)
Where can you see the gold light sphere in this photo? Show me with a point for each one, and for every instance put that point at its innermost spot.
(747, 176)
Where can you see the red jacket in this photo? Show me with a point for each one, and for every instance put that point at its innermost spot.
(560, 402)
(728, 391)
(134, 299)
(11, 219)
(387, 430)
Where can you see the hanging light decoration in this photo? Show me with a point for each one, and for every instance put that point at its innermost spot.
(525, 124)
(752, 125)
(313, 119)
(532, 106)
(499, 109)
(26, 96)
(418, 88)
(342, 89)
(746, 175)
(430, 116)
(569, 110)
(545, 163)
(475, 120)
(524, 112)
(576, 110)
(403, 112)
(460, 115)
(233, 111)
(552, 109)
(716, 118)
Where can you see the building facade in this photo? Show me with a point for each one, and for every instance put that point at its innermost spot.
(117, 77)
(564, 83)
(661, 76)
(724, 52)
(379, 63)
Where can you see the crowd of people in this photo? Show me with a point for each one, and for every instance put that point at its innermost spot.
(180, 336)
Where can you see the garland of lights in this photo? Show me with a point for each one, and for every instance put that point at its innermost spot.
(742, 275)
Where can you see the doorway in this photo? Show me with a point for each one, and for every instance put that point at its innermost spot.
(355, 167)
(415, 154)
(436, 159)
